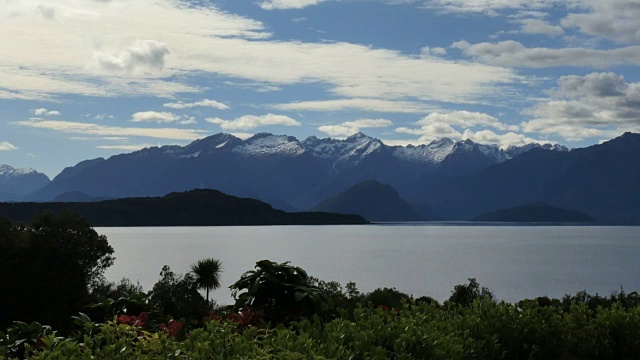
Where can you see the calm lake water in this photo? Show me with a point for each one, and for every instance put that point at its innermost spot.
(515, 262)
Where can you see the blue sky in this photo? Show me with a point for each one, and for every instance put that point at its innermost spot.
(82, 79)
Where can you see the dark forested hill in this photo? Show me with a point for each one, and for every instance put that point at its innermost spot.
(539, 212)
(191, 208)
(372, 200)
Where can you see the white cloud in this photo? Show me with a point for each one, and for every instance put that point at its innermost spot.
(204, 103)
(503, 140)
(379, 105)
(247, 122)
(539, 26)
(123, 47)
(154, 116)
(188, 121)
(595, 105)
(103, 116)
(288, 4)
(254, 86)
(433, 51)
(7, 146)
(47, 84)
(494, 7)
(463, 118)
(356, 71)
(45, 112)
(431, 132)
(124, 147)
(351, 127)
(616, 20)
(103, 130)
(438, 125)
(110, 47)
(514, 54)
(140, 57)
(242, 135)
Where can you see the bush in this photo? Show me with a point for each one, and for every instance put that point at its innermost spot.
(283, 292)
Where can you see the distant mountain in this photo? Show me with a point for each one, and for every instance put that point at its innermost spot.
(192, 208)
(373, 201)
(275, 168)
(600, 180)
(539, 212)
(16, 183)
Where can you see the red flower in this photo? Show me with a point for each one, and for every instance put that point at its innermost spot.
(173, 329)
(139, 320)
(244, 318)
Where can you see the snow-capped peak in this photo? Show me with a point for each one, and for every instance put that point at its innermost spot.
(432, 153)
(342, 152)
(7, 171)
(269, 144)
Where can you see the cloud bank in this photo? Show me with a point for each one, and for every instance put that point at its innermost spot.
(595, 105)
(203, 103)
(351, 127)
(248, 122)
(288, 4)
(103, 130)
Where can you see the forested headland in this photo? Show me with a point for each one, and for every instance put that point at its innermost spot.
(199, 207)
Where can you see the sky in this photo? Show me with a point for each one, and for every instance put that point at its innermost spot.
(81, 79)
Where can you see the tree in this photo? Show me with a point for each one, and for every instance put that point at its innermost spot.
(48, 268)
(176, 296)
(466, 294)
(207, 274)
(72, 235)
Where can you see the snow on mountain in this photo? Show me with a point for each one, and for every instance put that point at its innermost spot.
(356, 147)
(433, 153)
(513, 151)
(267, 144)
(16, 182)
(343, 153)
(214, 143)
(10, 171)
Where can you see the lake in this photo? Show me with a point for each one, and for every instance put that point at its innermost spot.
(515, 262)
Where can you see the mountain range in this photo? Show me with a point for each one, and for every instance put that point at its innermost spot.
(456, 179)
(278, 169)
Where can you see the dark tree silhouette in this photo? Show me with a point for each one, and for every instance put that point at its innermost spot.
(207, 274)
(48, 266)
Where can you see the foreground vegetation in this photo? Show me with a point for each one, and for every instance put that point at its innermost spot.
(280, 313)
(484, 330)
